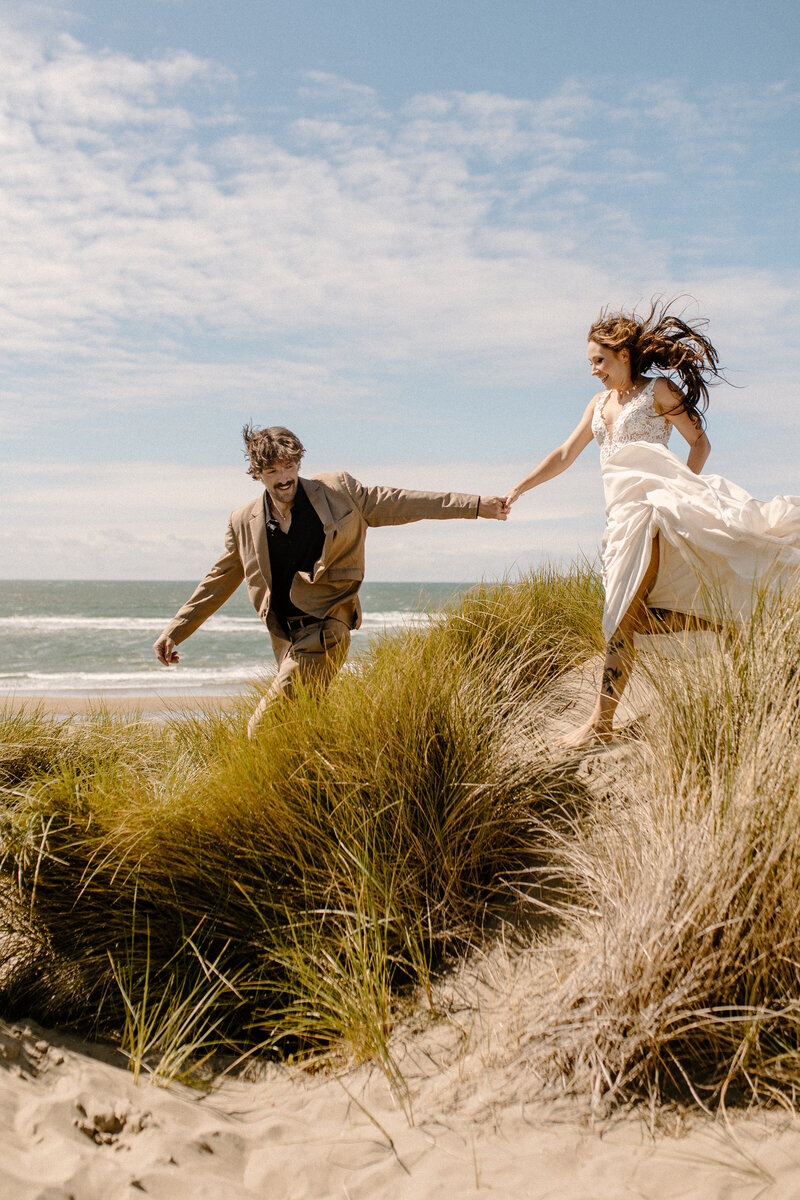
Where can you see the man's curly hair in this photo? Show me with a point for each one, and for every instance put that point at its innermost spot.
(266, 448)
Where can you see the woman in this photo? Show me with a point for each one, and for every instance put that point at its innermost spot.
(678, 546)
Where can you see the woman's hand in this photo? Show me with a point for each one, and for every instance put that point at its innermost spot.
(511, 498)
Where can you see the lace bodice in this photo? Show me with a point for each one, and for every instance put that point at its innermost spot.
(638, 422)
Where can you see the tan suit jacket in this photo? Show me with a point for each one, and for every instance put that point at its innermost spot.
(347, 510)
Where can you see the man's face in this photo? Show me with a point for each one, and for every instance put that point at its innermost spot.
(280, 481)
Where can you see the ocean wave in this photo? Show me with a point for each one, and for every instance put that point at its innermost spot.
(156, 680)
(37, 624)
(375, 622)
(372, 623)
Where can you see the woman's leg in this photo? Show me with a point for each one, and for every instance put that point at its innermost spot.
(618, 664)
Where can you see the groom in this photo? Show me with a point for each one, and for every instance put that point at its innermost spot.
(300, 548)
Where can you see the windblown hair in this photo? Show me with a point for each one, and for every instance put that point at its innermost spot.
(265, 448)
(664, 342)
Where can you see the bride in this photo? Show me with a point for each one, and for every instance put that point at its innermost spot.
(676, 542)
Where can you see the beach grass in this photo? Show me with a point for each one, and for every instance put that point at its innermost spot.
(295, 885)
(200, 896)
(687, 980)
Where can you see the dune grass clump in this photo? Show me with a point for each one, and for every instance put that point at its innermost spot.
(516, 653)
(688, 974)
(193, 889)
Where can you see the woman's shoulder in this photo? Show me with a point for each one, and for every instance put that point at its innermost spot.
(594, 405)
(665, 394)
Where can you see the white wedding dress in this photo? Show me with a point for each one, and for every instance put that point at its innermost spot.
(718, 546)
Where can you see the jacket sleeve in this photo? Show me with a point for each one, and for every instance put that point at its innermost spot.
(211, 592)
(383, 505)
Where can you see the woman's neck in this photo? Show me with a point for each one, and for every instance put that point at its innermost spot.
(630, 390)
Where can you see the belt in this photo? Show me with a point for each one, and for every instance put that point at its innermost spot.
(301, 621)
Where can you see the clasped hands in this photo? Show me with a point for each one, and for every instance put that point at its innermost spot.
(497, 508)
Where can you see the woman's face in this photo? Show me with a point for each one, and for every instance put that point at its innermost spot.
(611, 367)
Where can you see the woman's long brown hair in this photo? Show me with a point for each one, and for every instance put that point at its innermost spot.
(662, 340)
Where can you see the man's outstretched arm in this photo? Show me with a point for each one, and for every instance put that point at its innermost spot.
(382, 505)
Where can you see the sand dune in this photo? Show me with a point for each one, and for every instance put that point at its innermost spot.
(74, 1124)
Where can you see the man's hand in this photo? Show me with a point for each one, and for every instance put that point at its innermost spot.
(494, 508)
(165, 650)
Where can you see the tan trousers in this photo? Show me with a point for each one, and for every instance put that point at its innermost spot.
(314, 654)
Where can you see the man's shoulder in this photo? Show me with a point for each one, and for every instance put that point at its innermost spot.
(243, 514)
(335, 481)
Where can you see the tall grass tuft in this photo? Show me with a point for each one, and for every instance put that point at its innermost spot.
(688, 974)
(306, 875)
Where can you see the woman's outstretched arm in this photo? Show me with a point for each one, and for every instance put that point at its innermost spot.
(557, 460)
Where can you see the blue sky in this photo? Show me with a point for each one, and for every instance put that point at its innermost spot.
(389, 227)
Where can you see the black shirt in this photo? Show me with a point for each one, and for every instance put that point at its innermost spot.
(297, 550)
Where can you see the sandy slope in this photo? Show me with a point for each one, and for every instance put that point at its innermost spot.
(74, 1125)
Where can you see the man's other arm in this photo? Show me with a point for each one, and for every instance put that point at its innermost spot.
(210, 594)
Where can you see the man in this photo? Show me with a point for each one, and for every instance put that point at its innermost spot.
(300, 549)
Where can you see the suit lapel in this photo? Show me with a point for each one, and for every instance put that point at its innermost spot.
(258, 531)
(319, 501)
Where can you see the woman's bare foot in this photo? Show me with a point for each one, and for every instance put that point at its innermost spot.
(586, 735)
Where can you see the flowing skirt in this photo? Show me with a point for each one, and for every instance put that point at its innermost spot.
(718, 546)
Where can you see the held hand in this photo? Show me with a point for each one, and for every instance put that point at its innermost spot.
(511, 498)
(493, 508)
(165, 650)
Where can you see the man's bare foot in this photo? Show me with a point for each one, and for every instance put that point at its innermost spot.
(589, 734)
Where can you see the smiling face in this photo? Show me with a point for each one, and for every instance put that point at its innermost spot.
(280, 481)
(611, 367)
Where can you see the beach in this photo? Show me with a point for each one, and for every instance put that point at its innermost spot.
(75, 1125)
(472, 1118)
(142, 705)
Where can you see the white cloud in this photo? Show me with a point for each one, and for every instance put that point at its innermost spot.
(166, 521)
(161, 252)
(467, 231)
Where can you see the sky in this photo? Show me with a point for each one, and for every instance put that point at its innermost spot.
(389, 227)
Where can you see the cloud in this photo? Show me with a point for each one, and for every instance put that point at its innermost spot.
(145, 520)
(166, 521)
(432, 267)
(151, 238)
(336, 93)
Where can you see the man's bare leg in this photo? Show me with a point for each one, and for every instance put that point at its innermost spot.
(618, 664)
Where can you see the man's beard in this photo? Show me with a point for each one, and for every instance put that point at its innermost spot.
(281, 496)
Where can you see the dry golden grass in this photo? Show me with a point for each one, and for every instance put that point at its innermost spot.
(194, 890)
(686, 909)
(301, 878)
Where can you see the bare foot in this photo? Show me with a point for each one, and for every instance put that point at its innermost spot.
(589, 734)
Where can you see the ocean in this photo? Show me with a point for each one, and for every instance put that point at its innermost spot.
(69, 638)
